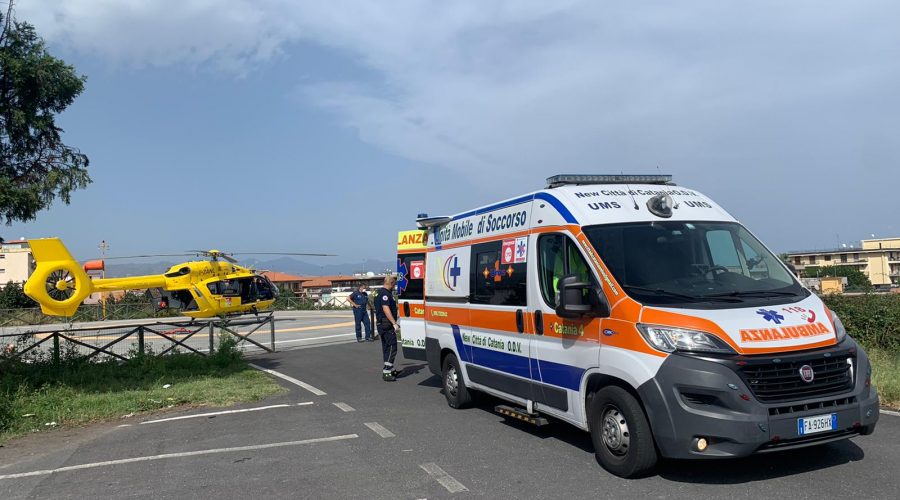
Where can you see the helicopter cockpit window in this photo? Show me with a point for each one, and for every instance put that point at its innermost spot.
(228, 288)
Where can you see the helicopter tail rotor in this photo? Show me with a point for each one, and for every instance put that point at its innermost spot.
(58, 283)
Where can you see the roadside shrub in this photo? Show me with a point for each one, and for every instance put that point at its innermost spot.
(872, 319)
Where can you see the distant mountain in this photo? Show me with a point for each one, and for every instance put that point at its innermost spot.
(282, 264)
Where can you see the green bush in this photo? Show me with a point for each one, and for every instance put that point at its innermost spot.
(872, 319)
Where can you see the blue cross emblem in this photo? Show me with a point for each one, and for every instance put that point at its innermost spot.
(402, 271)
(770, 315)
(455, 271)
(520, 250)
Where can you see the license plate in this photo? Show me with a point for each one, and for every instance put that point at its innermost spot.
(819, 423)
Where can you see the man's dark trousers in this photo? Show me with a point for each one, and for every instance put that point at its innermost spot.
(388, 344)
(360, 316)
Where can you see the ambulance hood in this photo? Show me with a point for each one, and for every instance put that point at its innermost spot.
(770, 329)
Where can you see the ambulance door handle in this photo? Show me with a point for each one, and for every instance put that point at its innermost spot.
(520, 320)
(406, 309)
(539, 322)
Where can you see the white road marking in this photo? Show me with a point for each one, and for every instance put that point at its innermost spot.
(124, 425)
(379, 429)
(176, 455)
(306, 403)
(317, 392)
(446, 480)
(225, 412)
(344, 406)
(889, 412)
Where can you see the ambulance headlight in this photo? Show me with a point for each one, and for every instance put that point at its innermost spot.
(839, 331)
(670, 339)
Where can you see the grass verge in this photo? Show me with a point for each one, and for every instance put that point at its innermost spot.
(886, 376)
(33, 395)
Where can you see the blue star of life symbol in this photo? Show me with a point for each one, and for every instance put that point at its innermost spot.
(520, 250)
(770, 315)
(402, 271)
(455, 271)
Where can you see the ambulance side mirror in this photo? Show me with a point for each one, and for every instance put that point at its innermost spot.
(578, 299)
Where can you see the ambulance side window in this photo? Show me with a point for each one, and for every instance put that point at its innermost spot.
(494, 282)
(412, 267)
(558, 256)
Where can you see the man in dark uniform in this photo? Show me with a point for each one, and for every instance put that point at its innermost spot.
(386, 321)
(360, 302)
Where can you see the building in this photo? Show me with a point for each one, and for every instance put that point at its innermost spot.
(879, 259)
(317, 286)
(16, 262)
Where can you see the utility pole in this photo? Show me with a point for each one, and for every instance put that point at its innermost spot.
(103, 246)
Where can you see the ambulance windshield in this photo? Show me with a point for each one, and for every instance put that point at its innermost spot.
(693, 264)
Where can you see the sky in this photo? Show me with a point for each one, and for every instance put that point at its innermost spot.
(276, 125)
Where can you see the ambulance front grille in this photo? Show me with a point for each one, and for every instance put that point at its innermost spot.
(775, 382)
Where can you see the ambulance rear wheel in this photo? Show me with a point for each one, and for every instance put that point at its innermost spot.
(455, 390)
(621, 435)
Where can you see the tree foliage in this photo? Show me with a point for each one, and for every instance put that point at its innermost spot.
(12, 297)
(855, 277)
(36, 167)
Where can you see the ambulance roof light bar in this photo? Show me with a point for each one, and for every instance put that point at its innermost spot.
(577, 180)
(423, 221)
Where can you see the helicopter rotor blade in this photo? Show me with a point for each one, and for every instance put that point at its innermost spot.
(287, 253)
(150, 256)
(229, 258)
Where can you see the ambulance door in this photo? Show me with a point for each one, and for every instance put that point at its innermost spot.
(411, 304)
(560, 346)
(500, 330)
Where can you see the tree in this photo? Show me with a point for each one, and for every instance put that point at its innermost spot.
(36, 167)
(855, 277)
(12, 297)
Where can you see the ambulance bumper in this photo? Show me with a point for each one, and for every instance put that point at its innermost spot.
(695, 397)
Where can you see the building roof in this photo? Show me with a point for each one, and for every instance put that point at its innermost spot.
(316, 283)
(277, 277)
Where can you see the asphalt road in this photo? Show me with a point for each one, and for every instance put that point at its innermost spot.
(400, 440)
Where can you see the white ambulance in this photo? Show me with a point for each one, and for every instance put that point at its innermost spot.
(639, 311)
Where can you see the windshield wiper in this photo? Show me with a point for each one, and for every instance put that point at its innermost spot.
(690, 298)
(753, 293)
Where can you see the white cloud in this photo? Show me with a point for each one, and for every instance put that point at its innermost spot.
(777, 93)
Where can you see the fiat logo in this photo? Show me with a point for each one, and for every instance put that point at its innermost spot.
(807, 374)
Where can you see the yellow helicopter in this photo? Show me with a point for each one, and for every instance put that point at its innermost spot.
(208, 288)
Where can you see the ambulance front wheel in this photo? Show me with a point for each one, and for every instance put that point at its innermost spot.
(623, 441)
(455, 390)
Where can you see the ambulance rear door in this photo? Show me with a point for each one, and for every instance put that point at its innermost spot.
(411, 257)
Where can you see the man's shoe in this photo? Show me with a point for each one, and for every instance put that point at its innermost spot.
(388, 377)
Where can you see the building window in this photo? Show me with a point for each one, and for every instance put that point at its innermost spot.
(812, 259)
(843, 257)
(798, 261)
(828, 258)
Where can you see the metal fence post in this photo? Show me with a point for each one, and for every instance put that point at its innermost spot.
(272, 331)
(211, 344)
(55, 348)
(141, 340)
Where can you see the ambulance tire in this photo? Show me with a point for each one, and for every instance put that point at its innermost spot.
(623, 441)
(455, 390)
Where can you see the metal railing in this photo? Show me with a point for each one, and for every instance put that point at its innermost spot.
(116, 311)
(155, 338)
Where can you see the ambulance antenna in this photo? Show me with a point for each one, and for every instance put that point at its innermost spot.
(628, 187)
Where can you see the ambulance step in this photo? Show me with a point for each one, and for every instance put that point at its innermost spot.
(520, 414)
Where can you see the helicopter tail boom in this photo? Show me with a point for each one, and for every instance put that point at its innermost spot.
(58, 283)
